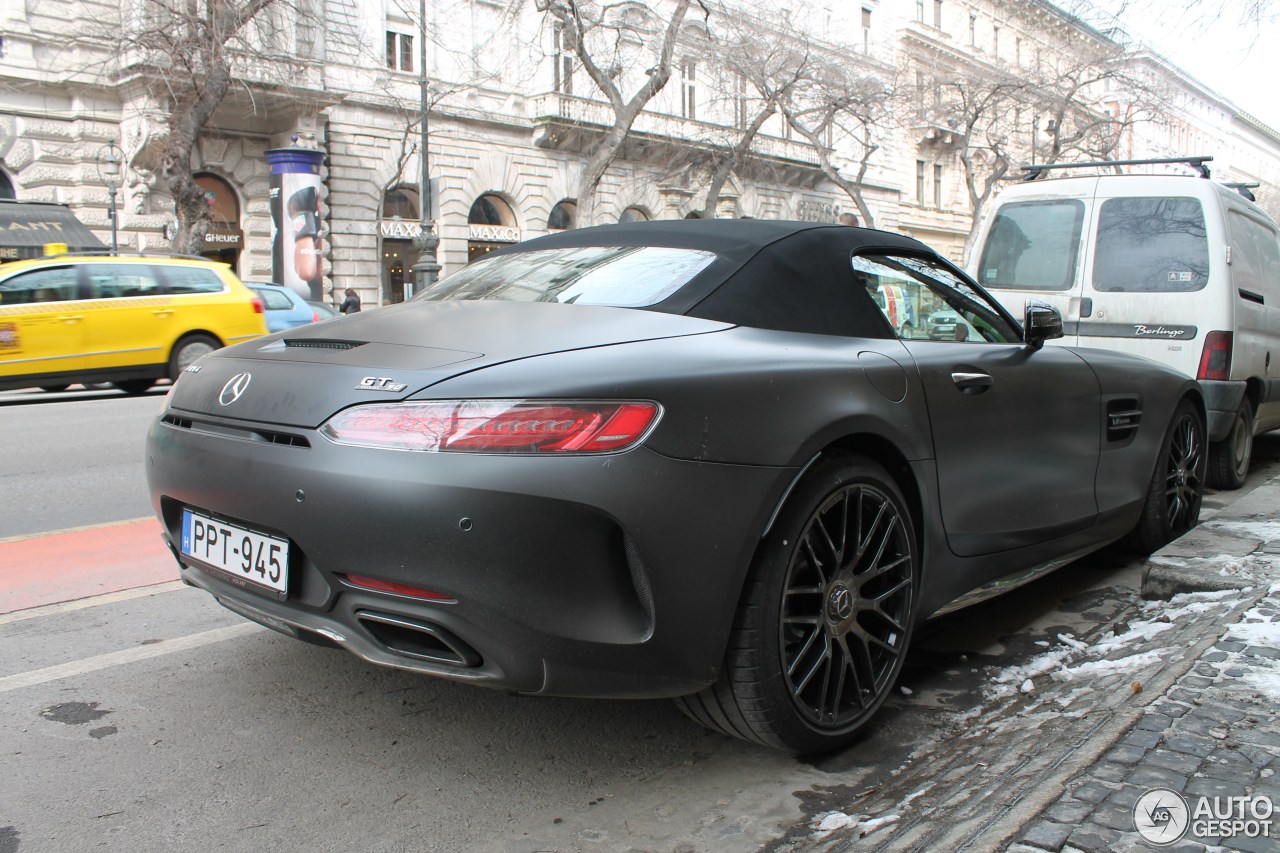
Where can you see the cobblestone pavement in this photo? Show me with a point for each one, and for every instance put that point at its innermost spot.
(1177, 690)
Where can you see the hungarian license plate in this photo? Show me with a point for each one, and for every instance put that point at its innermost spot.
(244, 557)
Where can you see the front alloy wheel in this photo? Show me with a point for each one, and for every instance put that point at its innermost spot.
(1177, 485)
(825, 617)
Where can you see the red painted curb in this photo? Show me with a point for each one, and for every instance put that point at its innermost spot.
(56, 567)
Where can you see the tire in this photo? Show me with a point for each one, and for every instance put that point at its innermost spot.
(187, 350)
(54, 389)
(825, 617)
(907, 330)
(1229, 459)
(134, 387)
(1173, 499)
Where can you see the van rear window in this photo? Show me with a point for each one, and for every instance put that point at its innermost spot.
(1033, 245)
(1151, 245)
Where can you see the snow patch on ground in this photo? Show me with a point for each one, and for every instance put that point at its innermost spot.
(831, 821)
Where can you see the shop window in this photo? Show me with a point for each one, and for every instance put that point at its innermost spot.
(634, 214)
(400, 203)
(6, 187)
(491, 210)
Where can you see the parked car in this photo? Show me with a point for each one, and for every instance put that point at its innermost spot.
(688, 459)
(127, 320)
(323, 310)
(942, 325)
(285, 309)
(1172, 267)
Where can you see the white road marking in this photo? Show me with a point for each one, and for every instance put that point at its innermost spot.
(124, 656)
(92, 601)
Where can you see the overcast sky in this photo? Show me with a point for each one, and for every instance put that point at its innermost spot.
(1237, 58)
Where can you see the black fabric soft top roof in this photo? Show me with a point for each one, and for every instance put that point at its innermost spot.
(771, 274)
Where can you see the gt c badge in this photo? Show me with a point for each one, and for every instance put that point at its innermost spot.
(234, 388)
(380, 383)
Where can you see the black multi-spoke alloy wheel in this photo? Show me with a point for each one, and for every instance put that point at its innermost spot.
(825, 617)
(1229, 459)
(1177, 484)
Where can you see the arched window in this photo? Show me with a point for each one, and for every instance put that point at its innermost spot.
(634, 214)
(693, 214)
(564, 216)
(223, 203)
(490, 209)
(6, 187)
(400, 203)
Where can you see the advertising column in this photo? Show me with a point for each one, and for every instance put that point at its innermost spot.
(295, 215)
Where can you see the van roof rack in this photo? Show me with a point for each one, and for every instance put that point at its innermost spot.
(1244, 187)
(1197, 163)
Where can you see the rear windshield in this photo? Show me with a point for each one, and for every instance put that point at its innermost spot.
(626, 277)
(1151, 245)
(1033, 245)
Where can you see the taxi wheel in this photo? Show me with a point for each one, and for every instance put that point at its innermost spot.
(187, 351)
(134, 387)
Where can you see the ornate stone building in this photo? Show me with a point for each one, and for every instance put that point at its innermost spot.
(514, 117)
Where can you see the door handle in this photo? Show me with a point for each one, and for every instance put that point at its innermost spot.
(71, 318)
(972, 383)
(163, 312)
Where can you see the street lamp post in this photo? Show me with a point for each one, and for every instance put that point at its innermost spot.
(109, 172)
(426, 270)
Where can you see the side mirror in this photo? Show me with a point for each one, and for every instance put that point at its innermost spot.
(1041, 322)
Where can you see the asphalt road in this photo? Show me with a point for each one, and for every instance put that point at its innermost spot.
(73, 458)
(154, 720)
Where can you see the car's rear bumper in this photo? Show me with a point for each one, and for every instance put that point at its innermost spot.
(1221, 401)
(588, 576)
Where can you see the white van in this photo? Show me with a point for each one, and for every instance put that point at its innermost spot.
(1177, 268)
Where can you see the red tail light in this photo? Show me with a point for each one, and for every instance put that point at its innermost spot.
(257, 305)
(1215, 358)
(495, 426)
(315, 318)
(397, 588)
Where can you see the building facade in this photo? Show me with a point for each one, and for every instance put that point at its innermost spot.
(514, 117)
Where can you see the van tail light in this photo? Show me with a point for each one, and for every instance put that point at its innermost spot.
(495, 426)
(1215, 359)
(257, 306)
(315, 318)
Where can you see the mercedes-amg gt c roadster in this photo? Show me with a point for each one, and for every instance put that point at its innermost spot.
(691, 459)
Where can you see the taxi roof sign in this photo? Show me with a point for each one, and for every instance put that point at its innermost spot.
(55, 248)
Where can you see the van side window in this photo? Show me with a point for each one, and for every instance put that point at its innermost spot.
(48, 285)
(274, 300)
(1033, 245)
(1255, 255)
(1151, 245)
(192, 280)
(112, 281)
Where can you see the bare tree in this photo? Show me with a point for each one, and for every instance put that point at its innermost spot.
(762, 63)
(187, 53)
(600, 36)
(838, 108)
(1077, 121)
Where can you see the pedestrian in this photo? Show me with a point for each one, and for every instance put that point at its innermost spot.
(847, 219)
(351, 305)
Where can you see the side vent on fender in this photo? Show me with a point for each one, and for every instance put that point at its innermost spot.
(1123, 417)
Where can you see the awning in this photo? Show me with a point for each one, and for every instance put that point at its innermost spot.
(26, 227)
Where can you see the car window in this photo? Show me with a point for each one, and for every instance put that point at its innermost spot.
(274, 300)
(182, 279)
(1255, 261)
(108, 281)
(955, 310)
(46, 285)
(1151, 245)
(1033, 245)
(622, 276)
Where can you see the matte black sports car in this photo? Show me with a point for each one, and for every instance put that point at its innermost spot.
(685, 459)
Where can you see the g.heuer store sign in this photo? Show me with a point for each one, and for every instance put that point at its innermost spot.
(222, 237)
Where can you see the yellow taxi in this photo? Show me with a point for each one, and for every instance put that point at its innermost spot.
(125, 319)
